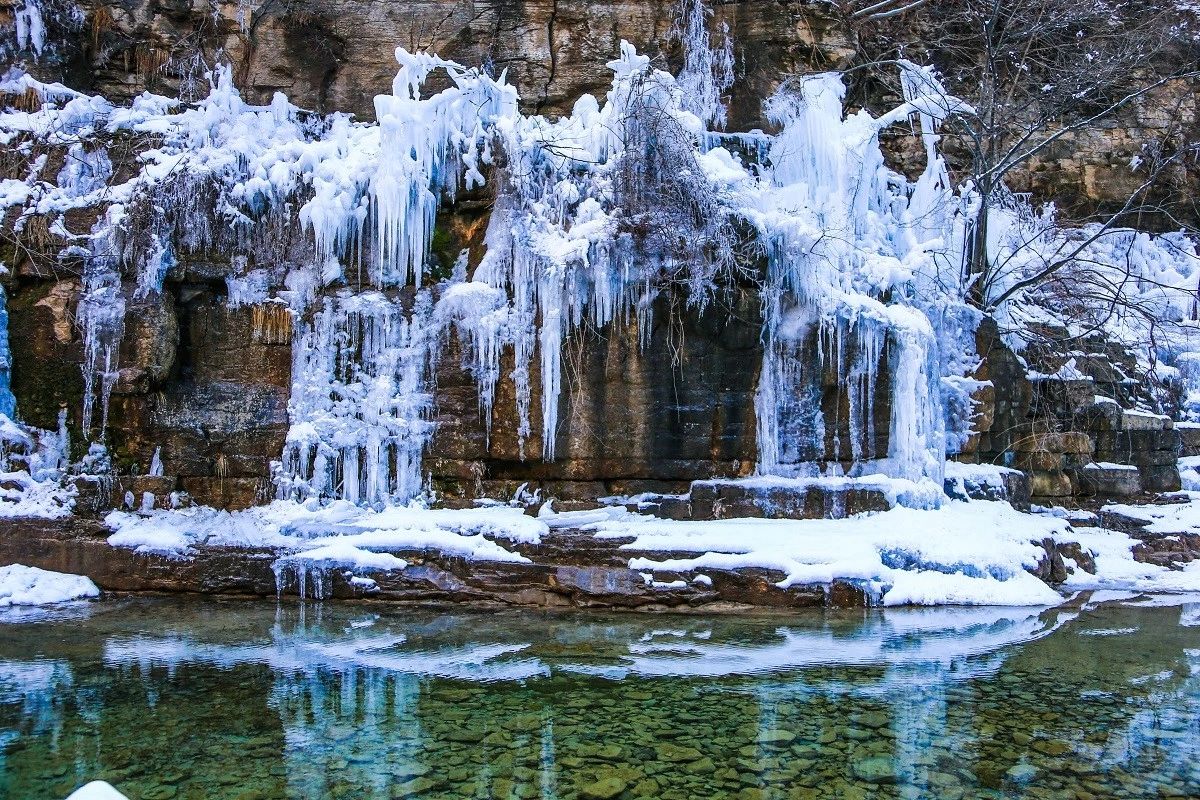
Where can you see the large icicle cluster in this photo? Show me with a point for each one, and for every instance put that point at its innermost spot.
(834, 223)
(596, 214)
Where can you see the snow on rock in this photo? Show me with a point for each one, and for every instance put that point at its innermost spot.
(30, 586)
(96, 790)
(930, 588)
(963, 553)
(985, 481)
(1189, 473)
(1116, 568)
(312, 540)
(1178, 517)
(32, 462)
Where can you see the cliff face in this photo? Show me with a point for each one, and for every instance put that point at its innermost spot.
(206, 383)
(337, 56)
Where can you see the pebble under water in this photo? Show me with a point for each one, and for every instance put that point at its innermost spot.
(168, 698)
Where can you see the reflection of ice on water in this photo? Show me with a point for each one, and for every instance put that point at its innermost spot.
(945, 636)
(355, 708)
(40, 688)
(1189, 616)
(347, 692)
(461, 648)
(1166, 731)
(354, 725)
(466, 648)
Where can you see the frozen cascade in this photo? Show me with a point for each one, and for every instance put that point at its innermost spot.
(596, 214)
(707, 71)
(310, 579)
(839, 238)
(101, 315)
(359, 403)
(429, 146)
(8, 403)
(31, 26)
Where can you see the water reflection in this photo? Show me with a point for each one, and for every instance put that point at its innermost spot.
(196, 699)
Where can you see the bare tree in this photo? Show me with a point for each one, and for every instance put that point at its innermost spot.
(1042, 75)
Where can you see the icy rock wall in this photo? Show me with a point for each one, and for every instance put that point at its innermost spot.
(566, 246)
(621, 219)
(600, 218)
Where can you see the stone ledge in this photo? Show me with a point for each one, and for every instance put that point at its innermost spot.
(769, 499)
(1114, 481)
(597, 576)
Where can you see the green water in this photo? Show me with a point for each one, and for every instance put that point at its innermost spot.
(187, 698)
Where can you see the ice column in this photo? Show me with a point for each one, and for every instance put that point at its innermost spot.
(31, 26)
(8, 403)
(837, 242)
(101, 315)
(707, 71)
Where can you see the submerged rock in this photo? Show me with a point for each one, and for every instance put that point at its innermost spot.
(876, 769)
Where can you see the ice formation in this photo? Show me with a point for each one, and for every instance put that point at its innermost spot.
(8, 403)
(359, 403)
(707, 71)
(31, 27)
(597, 215)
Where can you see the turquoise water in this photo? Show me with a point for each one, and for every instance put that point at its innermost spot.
(168, 698)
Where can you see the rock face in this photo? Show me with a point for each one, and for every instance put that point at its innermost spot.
(636, 417)
(728, 499)
(1069, 425)
(336, 56)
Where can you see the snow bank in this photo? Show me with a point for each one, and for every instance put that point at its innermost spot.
(930, 588)
(964, 553)
(30, 586)
(1116, 568)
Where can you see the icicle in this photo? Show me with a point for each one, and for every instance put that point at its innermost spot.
(8, 403)
(31, 27)
(836, 240)
(707, 71)
(101, 315)
(156, 464)
(425, 143)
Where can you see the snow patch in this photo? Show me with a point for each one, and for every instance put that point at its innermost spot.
(29, 586)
